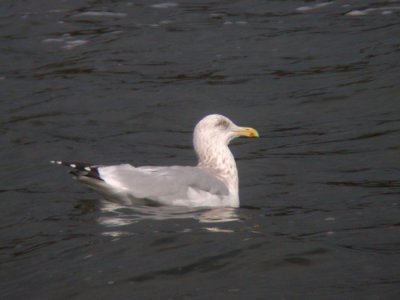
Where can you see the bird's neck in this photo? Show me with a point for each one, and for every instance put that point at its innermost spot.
(219, 160)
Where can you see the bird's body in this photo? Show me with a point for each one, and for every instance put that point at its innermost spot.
(212, 183)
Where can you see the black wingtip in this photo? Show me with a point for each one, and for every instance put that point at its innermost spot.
(80, 169)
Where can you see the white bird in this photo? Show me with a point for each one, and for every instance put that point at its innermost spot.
(212, 183)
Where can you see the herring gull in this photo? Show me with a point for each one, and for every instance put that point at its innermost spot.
(212, 183)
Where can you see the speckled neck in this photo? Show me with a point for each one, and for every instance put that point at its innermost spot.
(214, 155)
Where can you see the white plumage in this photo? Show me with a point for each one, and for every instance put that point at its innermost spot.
(212, 183)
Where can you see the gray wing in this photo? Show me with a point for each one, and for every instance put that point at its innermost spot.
(162, 183)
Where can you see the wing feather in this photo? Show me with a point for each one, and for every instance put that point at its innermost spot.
(163, 184)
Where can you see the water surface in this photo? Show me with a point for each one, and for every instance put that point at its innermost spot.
(122, 81)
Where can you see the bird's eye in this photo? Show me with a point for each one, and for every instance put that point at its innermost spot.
(222, 123)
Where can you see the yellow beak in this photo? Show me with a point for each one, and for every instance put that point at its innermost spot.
(247, 131)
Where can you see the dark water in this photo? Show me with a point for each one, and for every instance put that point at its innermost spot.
(126, 81)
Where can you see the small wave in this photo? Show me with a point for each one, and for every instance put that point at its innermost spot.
(66, 41)
(99, 14)
(53, 40)
(313, 7)
(74, 43)
(165, 5)
(386, 10)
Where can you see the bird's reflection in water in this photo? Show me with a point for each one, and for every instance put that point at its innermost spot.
(116, 215)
